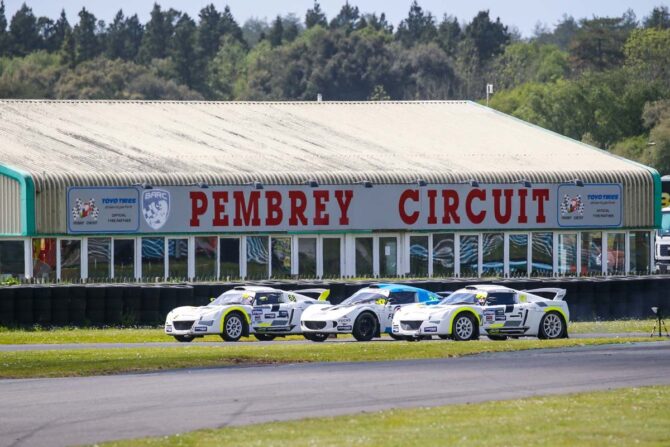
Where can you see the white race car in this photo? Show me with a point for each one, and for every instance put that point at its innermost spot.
(262, 311)
(495, 311)
(365, 314)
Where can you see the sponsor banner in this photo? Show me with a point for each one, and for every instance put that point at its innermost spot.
(182, 209)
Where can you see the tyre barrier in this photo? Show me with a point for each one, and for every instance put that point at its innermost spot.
(77, 305)
(150, 305)
(132, 301)
(42, 305)
(23, 305)
(113, 306)
(7, 315)
(96, 296)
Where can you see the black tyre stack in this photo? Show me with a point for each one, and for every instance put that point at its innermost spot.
(42, 305)
(150, 305)
(7, 307)
(114, 305)
(95, 304)
(23, 305)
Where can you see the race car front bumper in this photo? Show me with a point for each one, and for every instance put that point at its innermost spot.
(342, 326)
(415, 328)
(191, 327)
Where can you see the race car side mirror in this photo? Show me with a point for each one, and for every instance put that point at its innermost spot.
(211, 299)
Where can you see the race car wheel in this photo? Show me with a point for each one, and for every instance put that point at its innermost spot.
(183, 338)
(463, 328)
(233, 327)
(365, 327)
(551, 326)
(315, 337)
(264, 337)
(497, 337)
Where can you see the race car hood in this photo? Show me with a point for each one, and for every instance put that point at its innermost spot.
(193, 313)
(415, 312)
(316, 313)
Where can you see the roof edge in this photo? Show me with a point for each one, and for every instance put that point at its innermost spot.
(27, 197)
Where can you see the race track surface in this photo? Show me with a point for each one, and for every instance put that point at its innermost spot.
(53, 412)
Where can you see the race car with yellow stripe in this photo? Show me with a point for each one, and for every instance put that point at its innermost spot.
(264, 312)
(495, 311)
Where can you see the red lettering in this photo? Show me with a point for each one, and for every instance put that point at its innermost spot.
(198, 207)
(220, 200)
(539, 196)
(298, 205)
(500, 217)
(479, 194)
(432, 195)
(274, 213)
(320, 199)
(450, 201)
(246, 214)
(344, 200)
(523, 193)
(408, 194)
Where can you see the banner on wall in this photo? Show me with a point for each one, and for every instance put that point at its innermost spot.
(187, 209)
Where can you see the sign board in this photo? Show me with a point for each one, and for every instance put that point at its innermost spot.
(226, 209)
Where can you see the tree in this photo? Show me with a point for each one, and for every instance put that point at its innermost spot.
(449, 34)
(489, 38)
(647, 53)
(183, 52)
(315, 17)
(255, 30)
(424, 72)
(23, 32)
(209, 32)
(229, 26)
(86, 41)
(598, 45)
(157, 35)
(57, 36)
(659, 18)
(68, 54)
(347, 19)
(276, 33)
(4, 36)
(124, 37)
(418, 27)
(292, 27)
(32, 76)
(226, 71)
(377, 23)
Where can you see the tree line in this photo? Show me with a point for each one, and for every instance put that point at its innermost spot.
(602, 80)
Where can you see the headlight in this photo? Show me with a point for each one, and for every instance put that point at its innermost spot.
(206, 322)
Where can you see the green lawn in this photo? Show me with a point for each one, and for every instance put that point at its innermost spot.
(86, 362)
(623, 417)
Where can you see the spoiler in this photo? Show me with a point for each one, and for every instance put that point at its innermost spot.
(319, 294)
(559, 294)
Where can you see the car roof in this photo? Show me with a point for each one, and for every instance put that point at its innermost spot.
(256, 289)
(396, 288)
(489, 288)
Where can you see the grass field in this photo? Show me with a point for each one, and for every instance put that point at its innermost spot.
(623, 417)
(155, 335)
(86, 362)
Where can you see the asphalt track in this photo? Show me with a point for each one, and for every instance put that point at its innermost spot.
(54, 412)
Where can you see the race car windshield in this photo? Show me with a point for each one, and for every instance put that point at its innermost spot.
(459, 298)
(665, 223)
(231, 298)
(361, 297)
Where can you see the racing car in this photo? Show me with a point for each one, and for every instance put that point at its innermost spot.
(264, 312)
(366, 314)
(496, 311)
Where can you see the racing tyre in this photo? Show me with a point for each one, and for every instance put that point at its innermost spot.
(183, 338)
(365, 327)
(552, 326)
(497, 337)
(463, 328)
(264, 337)
(316, 337)
(233, 327)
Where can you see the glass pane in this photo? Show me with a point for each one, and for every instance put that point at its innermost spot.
(543, 254)
(153, 257)
(469, 250)
(70, 260)
(418, 256)
(205, 257)
(307, 256)
(281, 257)
(229, 257)
(331, 257)
(443, 254)
(592, 247)
(364, 256)
(12, 259)
(388, 257)
(178, 258)
(99, 258)
(567, 254)
(124, 258)
(257, 257)
(518, 255)
(493, 254)
(616, 253)
(639, 251)
(44, 259)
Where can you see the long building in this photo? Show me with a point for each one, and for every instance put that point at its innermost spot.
(125, 190)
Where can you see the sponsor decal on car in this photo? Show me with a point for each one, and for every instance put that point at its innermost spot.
(344, 328)
(270, 315)
(168, 328)
(282, 314)
(201, 328)
(430, 329)
(396, 328)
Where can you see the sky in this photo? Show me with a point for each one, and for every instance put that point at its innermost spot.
(522, 14)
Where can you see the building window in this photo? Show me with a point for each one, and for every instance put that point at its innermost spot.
(592, 248)
(257, 257)
(307, 257)
(493, 254)
(331, 257)
(99, 258)
(178, 258)
(153, 257)
(443, 254)
(388, 257)
(418, 256)
(567, 254)
(229, 257)
(543, 254)
(364, 257)
(44, 259)
(281, 257)
(639, 251)
(70, 260)
(616, 253)
(518, 255)
(12, 259)
(124, 258)
(205, 257)
(469, 258)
